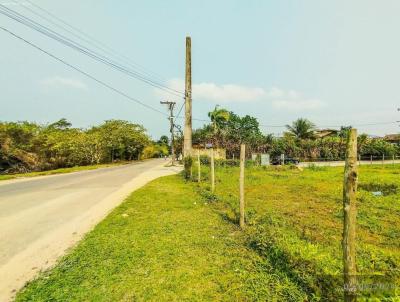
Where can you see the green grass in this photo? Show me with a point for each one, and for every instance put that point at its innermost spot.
(295, 222)
(164, 243)
(176, 241)
(58, 171)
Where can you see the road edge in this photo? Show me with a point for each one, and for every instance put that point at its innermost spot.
(46, 252)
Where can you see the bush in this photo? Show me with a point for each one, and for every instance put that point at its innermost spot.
(227, 162)
(204, 159)
(187, 162)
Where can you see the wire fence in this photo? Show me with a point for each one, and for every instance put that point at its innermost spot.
(361, 159)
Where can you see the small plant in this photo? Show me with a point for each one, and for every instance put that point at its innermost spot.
(204, 160)
(209, 196)
(316, 168)
(227, 162)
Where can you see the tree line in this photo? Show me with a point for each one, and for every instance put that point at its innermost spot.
(27, 146)
(300, 140)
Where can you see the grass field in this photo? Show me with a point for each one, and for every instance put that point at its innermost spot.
(295, 222)
(172, 241)
(58, 171)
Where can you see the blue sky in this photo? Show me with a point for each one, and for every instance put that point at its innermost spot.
(334, 62)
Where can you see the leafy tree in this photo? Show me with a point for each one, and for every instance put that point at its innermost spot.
(29, 146)
(62, 124)
(164, 140)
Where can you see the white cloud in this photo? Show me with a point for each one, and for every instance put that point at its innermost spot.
(62, 82)
(220, 93)
(227, 93)
(278, 98)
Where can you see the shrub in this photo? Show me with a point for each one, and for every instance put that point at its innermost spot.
(187, 162)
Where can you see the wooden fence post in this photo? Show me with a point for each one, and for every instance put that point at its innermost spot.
(383, 158)
(241, 184)
(349, 221)
(198, 166)
(371, 159)
(212, 171)
(393, 159)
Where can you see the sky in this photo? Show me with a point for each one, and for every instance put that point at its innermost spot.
(333, 62)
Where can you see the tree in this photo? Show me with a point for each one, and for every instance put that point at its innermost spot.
(219, 119)
(61, 124)
(164, 140)
(29, 146)
(302, 129)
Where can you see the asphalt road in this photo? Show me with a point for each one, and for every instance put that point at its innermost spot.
(42, 217)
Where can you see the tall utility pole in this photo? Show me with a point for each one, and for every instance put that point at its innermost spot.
(187, 135)
(171, 106)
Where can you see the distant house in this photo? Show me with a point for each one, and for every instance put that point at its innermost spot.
(219, 153)
(325, 133)
(393, 138)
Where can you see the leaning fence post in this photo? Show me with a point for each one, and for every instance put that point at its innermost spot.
(241, 184)
(198, 166)
(349, 220)
(212, 171)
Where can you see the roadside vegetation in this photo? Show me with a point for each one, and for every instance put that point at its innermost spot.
(300, 140)
(176, 241)
(31, 147)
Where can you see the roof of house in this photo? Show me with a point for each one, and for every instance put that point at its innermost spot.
(392, 137)
(325, 132)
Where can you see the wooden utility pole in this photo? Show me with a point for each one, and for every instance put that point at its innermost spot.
(212, 171)
(349, 221)
(187, 136)
(198, 166)
(171, 106)
(241, 184)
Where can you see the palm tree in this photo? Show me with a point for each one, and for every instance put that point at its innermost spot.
(219, 118)
(302, 129)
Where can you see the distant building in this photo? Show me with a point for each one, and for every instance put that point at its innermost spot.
(219, 153)
(393, 138)
(325, 133)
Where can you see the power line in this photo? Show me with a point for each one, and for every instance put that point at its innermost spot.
(79, 47)
(180, 110)
(82, 72)
(103, 59)
(102, 45)
(89, 39)
(76, 46)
